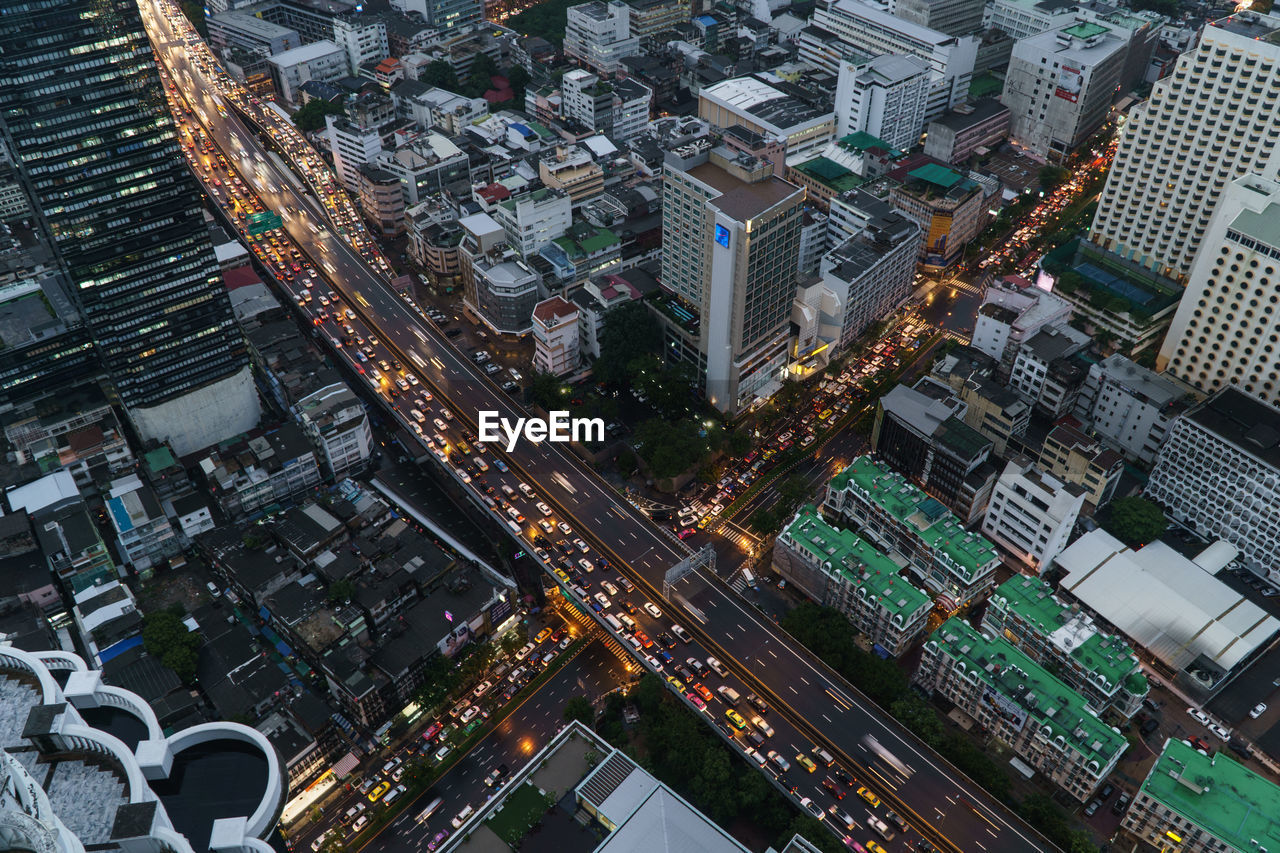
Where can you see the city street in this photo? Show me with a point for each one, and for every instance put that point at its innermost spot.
(816, 701)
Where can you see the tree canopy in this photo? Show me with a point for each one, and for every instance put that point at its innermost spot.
(310, 116)
(629, 333)
(440, 73)
(1134, 520)
(165, 636)
(579, 708)
(546, 19)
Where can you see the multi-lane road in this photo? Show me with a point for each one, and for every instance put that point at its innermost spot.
(946, 808)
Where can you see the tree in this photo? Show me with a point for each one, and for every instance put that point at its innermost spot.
(547, 390)
(482, 69)
(579, 708)
(165, 636)
(518, 78)
(194, 13)
(626, 462)
(1135, 521)
(629, 332)
(341, 590)
(440, 74)
(310, 116)
(546, 19)
(670, 448)
(1052, 176)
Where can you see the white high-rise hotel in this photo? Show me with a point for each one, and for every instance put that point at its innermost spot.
(1215, 119)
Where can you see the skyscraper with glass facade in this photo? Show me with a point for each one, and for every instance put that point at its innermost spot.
(83, 111)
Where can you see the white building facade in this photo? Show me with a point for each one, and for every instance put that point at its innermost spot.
(886, 97)
(1032, 514)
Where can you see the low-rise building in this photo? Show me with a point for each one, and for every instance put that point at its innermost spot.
(321, 60)
(1129, 406)
(532, 220)
(836, 568)
(78, 431)
(555, 337)
(950, 208)
(995, 411)
(573, 170)
(427, 165)
(250, 33)
(497, 284)
(1045, 721)
(967, 130)
(337, 424)
(582, 252)
(1073, 457)
(915, 530)
(1046, 371)
(381, 200)
(1102, 667)
(248, 475)
(1010, 316)
(767, 105)
(1198, 803)
(143, 530)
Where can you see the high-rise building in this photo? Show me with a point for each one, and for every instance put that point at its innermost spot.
(598, 35)
(1225, 331)
(1219, 473)
(886, 97)
(869, 30)
(498, 285)
(443, 14)
(1214, 119)
(1060, 85)
(731, 249)
(124, 215)
(1129, 406)
(953, 17)
(363, 37)
(1032, 514)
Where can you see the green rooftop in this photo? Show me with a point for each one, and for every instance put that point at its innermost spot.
(858, 562)
(587, 241)
(939, 176)
(1216, 793)
(861, 141)
(160, 459)
(830, 173)
(1086, 30)
(984, 85)
(1046, 700)
(929, 520)
(1032, 601)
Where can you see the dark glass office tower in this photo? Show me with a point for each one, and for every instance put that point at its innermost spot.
(82, 106)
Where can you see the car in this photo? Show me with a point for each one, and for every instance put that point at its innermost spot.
(806, 762)
(579, 544)
(482, 688)
(542, 508)
(1221, 733)
(873, 846)
(496, 775)
(757, 703)
(896, 819)
(361, 823)
(812, 808)
(778, 761)
(652, 610)
(1105, 792)
(867, 794)
(524, 651)
(833, 788)
(1121, 803)
(1149, 726)
(461, 817)
(667, 641)
(843, 778)
(542, 636)
(380, 789)
(1092, 809)
(676, 683)
(701, 690)
(1258, 710)
(609, 587)
(1199, 716)
(696, 700)
(352, 813)
(759, 723)
(842, 816)
(391, 765)
(438, 841)
(321, 839)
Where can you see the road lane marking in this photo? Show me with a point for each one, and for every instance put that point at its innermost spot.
(771, 654)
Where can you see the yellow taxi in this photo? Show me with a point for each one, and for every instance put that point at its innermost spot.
(542, 635)
(806, 762)
(377, 792)
(735, 719)
(871, 798)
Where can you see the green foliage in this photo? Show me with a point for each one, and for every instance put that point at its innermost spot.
(1045, 815)
(310, 116)
(518, 77)
(1134, 521)
(546, 19)
(579, 708)
(341, 590)
(194, 13)
(1070, 281)
(670, 448)
(547, 390)
(254, 540)
(478, 81)
(440, 73)
(626, 462)
(166, 637)
(629, 332)
(1051, 176)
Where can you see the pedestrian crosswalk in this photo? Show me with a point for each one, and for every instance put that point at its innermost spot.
(959, 337)
(739, 583)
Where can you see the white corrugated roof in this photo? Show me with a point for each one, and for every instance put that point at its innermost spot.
(1164, 601)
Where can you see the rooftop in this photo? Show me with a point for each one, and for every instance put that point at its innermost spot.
(1251, 25)
(1263, 226)
(306, 53)
(1241, 420)
(1070, 630)
(848, 555)
(765, 101)
(739, 199)
(919, 513)
(1047, 701)
(1231, 802)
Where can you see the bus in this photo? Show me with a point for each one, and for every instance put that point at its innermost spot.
(431, 809)
(886, 756)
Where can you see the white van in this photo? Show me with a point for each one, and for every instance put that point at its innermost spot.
(515, 528)
(681, 633)
(612, 622)
(729, 695)
(627, 621)
(417, 416)
(718, 667)
(462, 816)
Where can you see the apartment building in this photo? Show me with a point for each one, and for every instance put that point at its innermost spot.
(1129, 406)
(915, 530)
(954, 17)
(1046, 722)
(555, 337)
(1047, 371)
(251, 33)
(1102, 667)
(532, 220)
(1216, 118)
(1010, 316)
(1198, 803)
(143, 530)
(573, 170)
(870, 274)
(1219, 337)
(1073, 457)
(1060, 85)
(497, 284)
(956, 136)
(869, 30)
(251, 474)
(321, 60)
(1219, 472)
(335, 420)
(950, 208)
(1032, 515)
(836, 568)
(598, 35)
(363, 38)
(885, 96)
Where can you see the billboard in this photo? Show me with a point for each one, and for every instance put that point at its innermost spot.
(1070, 84)
(1004, 707)
(722, 235)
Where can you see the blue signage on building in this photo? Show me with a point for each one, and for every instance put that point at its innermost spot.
(722, 236)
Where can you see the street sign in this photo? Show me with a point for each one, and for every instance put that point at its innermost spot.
(260, 223)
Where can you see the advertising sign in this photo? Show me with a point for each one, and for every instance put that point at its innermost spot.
(1070, 84)
(1003, 706)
